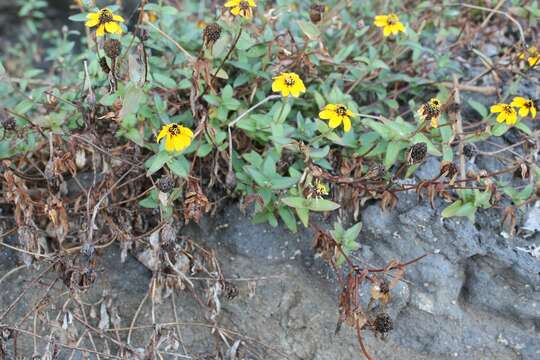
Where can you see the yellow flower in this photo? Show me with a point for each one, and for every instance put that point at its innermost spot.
(524, 105)
(532, 55)
(242, 8)
(507, 113)
(320, 189)
(390, 24)
(288, 83)
(337, 114)
(177, 137)
(431, 111)
(106, 21)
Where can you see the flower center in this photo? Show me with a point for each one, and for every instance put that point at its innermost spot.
(105, 16)
(507, 109)
(174, 130)
(244, 5)
(528, 104)
(289, 81)
(341, 110)
(391, 20)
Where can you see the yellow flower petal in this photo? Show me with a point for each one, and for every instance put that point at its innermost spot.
(327, 114)
(91, 22)
(334, 122)
(512, 118)
(435, 122)
(346, 124)
(252, 3)
(100, 30)
(186, 132)
(164, 131)
(380, 20)
(497, 108)
(113, 28)
(387, 31)
(232, 3)
(501, 117)
(523, 111)
(181, 142)
(331, 107)
(533, 112)
(236, 10)
(118, 18)
(518, 101)
(92, 16)
(169, 143)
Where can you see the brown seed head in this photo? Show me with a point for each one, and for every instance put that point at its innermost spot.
(165, 183)
(112, 48)
(417, 153)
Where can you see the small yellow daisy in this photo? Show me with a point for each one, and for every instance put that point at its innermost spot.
(390, 24)
(106, 22)
(337, 114)
(242, 8)
(288, 83)
(506, 113)
(525, 106)
(532, 55)
(177, 137)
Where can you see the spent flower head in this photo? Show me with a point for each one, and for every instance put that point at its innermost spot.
(390, 24)
(337, 114)
(177, 137)
(288, 83)
(241, 7)
(431, 111)
(106, 22)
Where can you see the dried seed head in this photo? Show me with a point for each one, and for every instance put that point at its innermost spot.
(112, 48)
(383, 323)
(9, 124)
(211, 34)
(417, 153)
(448, 169)
(230, 290)
(470, 150)
(316, 12)
(375, 172)
(104, 66)
(168, 234)
(165, 183)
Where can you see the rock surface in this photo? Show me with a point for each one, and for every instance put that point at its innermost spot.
(474, 297)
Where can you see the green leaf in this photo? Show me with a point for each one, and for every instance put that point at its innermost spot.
(78, 17)
(179, 166)
(156, 162)
(392, 153)
(296, 202)
(322, 205)
(309, 29)
(288, 218)
(521, 126)
(499, 129)
(479, 107)
(451, 210)
(303, 215)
